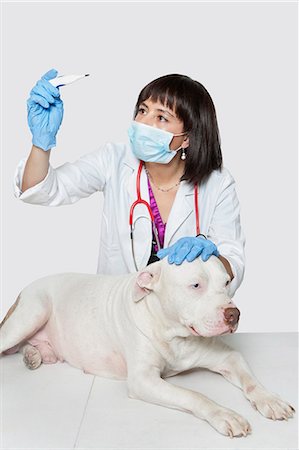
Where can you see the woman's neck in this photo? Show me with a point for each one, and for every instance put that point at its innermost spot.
(166, 173)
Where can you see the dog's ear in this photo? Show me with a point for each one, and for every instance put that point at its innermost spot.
(146, 281)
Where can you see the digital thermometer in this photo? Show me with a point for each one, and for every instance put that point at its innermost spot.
(63, 80)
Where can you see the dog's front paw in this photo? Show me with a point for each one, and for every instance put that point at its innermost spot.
(229, 423)
(270, 405)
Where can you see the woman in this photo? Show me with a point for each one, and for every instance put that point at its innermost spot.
(173, 157)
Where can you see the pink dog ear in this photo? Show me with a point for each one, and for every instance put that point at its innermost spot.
(140, 289)
(146, 281)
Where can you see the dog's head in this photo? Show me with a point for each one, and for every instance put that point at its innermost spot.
(195, 294)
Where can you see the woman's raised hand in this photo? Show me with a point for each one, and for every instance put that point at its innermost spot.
(44, 112)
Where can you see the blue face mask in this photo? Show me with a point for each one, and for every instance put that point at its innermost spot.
(151, 144)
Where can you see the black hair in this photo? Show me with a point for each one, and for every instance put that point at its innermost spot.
(192, 104)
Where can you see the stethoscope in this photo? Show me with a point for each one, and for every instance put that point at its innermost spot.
(140, 201)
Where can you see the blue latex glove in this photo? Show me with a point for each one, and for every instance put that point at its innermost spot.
(44, 112)
(189, 248)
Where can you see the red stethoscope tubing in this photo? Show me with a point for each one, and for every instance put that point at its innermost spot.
(139, 200)
(146, 204)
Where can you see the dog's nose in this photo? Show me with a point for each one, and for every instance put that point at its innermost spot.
(231, 316)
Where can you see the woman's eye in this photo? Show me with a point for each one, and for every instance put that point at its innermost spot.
(196, 286)
(141, 110)
(162, 119)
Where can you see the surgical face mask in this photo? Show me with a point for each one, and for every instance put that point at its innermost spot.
(151, 144)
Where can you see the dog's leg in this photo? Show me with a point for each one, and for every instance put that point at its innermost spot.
(31, 357)
(235, 369)
(146, 384)
(45, 350)
(25, 317)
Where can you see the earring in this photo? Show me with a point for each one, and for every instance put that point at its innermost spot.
(183, 155)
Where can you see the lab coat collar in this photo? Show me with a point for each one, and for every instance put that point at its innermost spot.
(182, 207)
(130, 159)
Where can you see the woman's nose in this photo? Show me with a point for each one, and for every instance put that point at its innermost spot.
(146, 120)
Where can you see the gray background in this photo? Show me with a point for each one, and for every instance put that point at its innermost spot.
(245, 54)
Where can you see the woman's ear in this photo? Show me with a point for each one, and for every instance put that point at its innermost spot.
(185, 143)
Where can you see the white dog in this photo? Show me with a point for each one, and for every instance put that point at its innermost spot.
(143, 327)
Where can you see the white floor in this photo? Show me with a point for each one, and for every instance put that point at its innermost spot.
(59, 407)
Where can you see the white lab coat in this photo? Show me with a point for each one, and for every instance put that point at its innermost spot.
(112, 169)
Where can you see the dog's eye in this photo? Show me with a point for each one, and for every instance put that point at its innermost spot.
(196, 286)
(227, 283)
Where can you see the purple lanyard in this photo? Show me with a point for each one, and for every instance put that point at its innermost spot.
(157, 217)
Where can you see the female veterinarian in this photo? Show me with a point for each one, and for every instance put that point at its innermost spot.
(165, 190)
